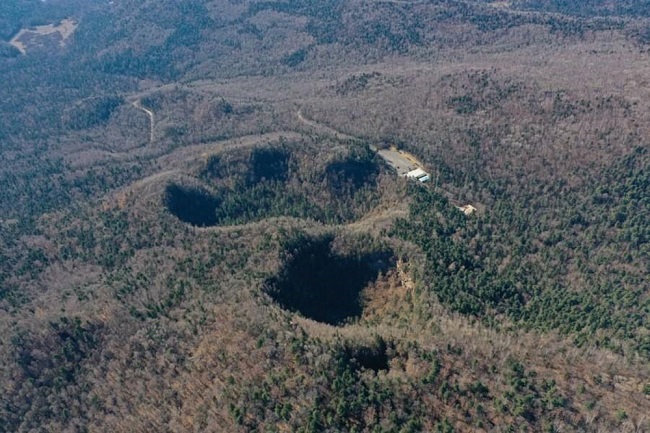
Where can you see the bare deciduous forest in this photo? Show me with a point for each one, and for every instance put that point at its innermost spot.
(197, 232)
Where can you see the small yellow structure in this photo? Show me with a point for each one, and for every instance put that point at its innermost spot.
(468, 209)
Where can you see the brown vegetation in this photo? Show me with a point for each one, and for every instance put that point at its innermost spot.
(126, 309)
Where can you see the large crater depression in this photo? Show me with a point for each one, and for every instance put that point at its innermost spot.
(325, 283)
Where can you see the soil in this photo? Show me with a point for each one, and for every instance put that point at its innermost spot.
(25, 39)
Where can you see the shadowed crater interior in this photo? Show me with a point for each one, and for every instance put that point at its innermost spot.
(192, 205)
(324, 284)
(351, 173)
(373, 356)
(268, 182)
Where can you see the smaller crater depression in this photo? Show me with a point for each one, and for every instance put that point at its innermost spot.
(281, 181)
(192, 205)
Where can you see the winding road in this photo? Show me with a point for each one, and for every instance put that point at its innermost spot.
(324, 128)
(401, 161)
(138, 106)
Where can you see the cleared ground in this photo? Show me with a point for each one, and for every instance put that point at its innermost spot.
(400, 161)
(65, 29)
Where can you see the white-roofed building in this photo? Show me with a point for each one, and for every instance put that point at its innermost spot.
(418, 174)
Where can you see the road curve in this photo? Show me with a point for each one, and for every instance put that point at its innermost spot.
(138, 106)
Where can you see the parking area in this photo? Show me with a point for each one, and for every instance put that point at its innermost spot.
(400, 161)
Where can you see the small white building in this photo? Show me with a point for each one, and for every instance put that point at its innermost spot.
(418, 174)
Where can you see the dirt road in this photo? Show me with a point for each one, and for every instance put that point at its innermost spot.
(324, 129)
(402, 162)
(138, 106)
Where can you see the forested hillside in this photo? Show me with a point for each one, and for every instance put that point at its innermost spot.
(198, 231)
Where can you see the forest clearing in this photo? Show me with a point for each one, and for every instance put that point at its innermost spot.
(26, 38)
